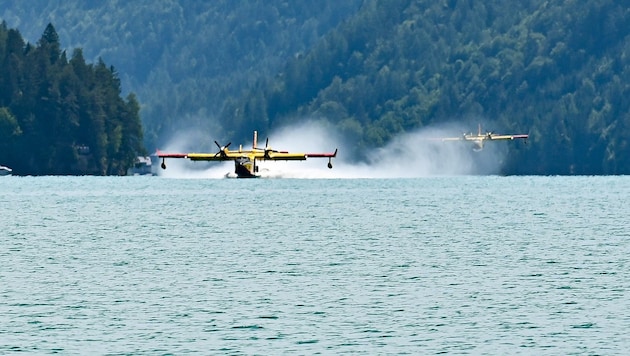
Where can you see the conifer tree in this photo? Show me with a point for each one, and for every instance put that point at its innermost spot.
(63, 117)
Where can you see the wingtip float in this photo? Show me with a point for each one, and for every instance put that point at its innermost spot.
(245, 161)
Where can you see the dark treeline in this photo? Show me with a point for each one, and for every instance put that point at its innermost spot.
(183, 58)
(60, 115)
(559, 71)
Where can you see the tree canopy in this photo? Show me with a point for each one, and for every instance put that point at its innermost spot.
(558, 71)
(60, 115)
(184, 58)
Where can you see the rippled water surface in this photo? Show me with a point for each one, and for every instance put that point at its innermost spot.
(457, 265)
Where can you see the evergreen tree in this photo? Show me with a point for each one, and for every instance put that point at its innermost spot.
(63, 117)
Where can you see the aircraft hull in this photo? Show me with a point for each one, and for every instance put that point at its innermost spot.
(244, 170)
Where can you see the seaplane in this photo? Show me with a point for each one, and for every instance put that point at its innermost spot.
(246, 161)
(479, 139)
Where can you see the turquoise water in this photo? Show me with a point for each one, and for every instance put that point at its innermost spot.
(456, 265)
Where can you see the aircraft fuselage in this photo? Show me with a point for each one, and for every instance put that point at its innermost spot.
(245, 168)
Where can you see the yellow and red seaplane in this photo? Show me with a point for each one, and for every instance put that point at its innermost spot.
(479, 139)
(245, 161)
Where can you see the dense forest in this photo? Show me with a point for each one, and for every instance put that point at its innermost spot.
(60, 115)
(183, 58)
(558, 71)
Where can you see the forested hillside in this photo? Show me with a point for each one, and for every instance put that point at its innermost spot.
(183, 58)
(558, 71)
(60, 115)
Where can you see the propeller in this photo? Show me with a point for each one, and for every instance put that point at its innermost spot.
(268, 149)
(222, 149)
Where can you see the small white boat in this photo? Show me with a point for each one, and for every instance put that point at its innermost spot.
(5, 171)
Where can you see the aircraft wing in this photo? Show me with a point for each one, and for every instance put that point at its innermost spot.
(322, 155)
(287, 156)
(507, 137)
(283, 156)
(219, 156)
(255, 154)
(171, 155)
(273, 155)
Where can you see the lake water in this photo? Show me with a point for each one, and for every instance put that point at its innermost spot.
(455, 265)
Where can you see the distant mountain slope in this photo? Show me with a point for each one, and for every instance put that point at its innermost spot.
(559, 71)
(373, 69)
(183, 57)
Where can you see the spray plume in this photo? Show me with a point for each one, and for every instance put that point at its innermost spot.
(410, 155)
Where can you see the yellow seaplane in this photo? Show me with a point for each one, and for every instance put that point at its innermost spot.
(479, 139)
(245, 161)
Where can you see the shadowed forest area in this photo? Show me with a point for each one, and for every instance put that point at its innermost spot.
(370, 70)
(63, 116)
